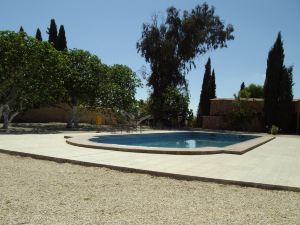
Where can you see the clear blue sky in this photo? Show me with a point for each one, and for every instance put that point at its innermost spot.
(110, 29)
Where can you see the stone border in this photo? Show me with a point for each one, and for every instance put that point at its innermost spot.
(239, 148)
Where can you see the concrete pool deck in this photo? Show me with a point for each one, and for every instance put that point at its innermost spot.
(275, 164)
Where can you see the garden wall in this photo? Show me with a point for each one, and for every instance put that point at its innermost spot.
(220, 110)
(61, 113)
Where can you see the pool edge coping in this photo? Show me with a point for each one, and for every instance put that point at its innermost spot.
(238, 148)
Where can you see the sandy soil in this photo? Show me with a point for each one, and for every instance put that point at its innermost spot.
(42, 192)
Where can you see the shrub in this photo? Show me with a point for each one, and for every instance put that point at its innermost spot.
(274, 130)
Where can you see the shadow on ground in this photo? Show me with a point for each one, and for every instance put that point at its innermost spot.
(55, 128)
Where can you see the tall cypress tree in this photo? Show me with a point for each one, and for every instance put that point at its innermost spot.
(21, 29)
(38, 35)
(285, 107)
(274, 71)
(242, 86)
(203, 107)
(212, 86)
(52, 31)
(61, 43)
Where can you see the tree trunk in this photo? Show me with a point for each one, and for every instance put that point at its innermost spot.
(5, 112)
(73, 122)
(1, 110)
(13, 116)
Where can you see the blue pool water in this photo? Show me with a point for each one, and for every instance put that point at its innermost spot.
(175, 140)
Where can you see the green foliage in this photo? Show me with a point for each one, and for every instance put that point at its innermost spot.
(242, 114)
(274, 130)
(122, 84)
(252, 91)
(171, 48)
(30, 70)
(175, 111)
(83, 79)
(93, 84)
(278, 93)
(38, 35)
(61, 42)
(52, 31)
(34, 74)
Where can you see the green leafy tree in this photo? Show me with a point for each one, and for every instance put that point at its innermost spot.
(278, 84)
(176, 107)
(38, 35)
(61, 42)
(80, 83)
(252, 91)
(242, 114)
(122, 84)
(31, 74)
(172, 46)
(52, 32)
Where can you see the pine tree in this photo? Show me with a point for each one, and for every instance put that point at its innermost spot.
(52, 31)
(21, 29)
(212, 84)
(203, 107)
(38, 35)
(61, 43)
(242, 86)
(274, 72)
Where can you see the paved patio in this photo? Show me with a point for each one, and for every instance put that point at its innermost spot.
(275, 164)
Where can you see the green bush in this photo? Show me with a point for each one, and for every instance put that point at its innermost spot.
(274, 130)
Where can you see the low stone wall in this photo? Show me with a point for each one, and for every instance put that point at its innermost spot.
(61, 113)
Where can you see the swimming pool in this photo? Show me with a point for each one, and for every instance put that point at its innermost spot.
(185, 143)
(175, 140)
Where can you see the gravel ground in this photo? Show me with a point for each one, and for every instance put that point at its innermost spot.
(43, 192)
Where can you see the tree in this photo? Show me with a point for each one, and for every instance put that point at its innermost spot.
(203, 108)
(208, 92)
(171, 48)
(251, 91)
(21, 29)
(285, 107)
(38, 35)
(80, 82)
(272, 81)
(212, 84)
(61, 42)
(93, 84)
(278, 92)
(52, 31)
(242, 86)
(31, 74)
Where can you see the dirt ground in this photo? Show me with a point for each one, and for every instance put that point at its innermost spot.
(43, 192)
